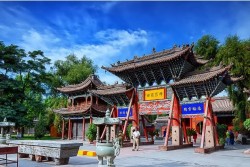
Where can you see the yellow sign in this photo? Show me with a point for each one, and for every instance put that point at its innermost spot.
(155, 94)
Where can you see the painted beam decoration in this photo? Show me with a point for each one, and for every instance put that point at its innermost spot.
(122, 112)
(155, 94)
(154, 107)
(192, 109)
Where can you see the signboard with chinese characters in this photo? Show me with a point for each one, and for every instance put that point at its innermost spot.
(155, 94)
(122, 112)
(154, 107)
(192, 109)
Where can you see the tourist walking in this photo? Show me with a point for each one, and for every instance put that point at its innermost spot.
(135, 136)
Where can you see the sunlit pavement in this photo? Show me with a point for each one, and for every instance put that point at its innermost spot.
(231, 156)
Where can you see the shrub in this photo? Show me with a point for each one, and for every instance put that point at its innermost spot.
(247, 124)
(221, 130)
(190, 132)
(91, 132)
(40, 128)
(129, 130)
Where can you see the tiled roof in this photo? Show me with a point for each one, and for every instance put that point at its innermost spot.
(114, 94)
(201, 76)
(155, 58)
(222, 104)
(93, 79)
(95, 109)
(112, 89)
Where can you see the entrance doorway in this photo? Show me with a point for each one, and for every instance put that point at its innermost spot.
(199, 127)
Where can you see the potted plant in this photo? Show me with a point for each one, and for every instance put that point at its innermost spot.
(221, 130)
(91, 132)
(156, 132)
(190, 132)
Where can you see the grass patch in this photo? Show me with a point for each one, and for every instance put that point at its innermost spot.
(31, 137)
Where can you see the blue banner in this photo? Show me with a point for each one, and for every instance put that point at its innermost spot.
(192, 108)
(122, 112)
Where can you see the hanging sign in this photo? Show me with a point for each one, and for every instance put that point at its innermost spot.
(192, 108)
(154, 107)
(122, 112)
(155, 94)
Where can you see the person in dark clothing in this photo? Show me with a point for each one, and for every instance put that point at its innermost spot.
(231, 136)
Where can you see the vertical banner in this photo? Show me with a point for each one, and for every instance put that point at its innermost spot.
(122, 112)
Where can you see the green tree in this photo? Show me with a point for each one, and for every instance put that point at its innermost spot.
(40, 128)
(237, 53)
(22, 81)
(73, 70)
(207, 47)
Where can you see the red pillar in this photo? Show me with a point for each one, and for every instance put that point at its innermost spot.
(90, 120)
(69, 131)
(144, 127)
(63, 129)
(135, 111)
(176, 112)
(83, 128)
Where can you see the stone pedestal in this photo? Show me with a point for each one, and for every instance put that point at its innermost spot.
(41, 149)
(209, 137)
(176, 136)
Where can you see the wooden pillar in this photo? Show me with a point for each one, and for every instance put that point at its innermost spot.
(135, 111)
(127, 117)
(63, 122)
(144, 127)
(184, 131)
(204, 123)
(90, 120)
(176, 129)
(169, 121)
(83, 128)
(69, 132)
(96, 100)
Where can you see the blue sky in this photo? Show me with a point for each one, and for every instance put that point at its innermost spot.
(108, 32)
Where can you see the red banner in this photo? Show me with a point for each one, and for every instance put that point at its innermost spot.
(154, 107)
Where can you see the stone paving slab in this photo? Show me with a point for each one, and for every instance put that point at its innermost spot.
(150, 155)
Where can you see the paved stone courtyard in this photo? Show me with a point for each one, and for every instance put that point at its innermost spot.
(147, 156)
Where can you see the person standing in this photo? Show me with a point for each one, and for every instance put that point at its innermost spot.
(231, 137)
(136, 136)
(228, 137)
(120, 137)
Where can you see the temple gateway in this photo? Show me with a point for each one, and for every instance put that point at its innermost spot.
(165, 83)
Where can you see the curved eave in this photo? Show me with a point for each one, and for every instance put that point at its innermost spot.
(111, 91)
(80, 87)
(95, 110)
(200, 77)
(150, 60)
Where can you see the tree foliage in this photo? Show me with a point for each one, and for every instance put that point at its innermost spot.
(235, 52)
(73, 70)
(22, 79)
(40, 128)
(247, 124)
(207, 47)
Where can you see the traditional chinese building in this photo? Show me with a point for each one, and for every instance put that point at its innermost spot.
(82, 106)
(167, 83)
(151, 75)
(188, 96)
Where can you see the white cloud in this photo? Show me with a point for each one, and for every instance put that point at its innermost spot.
(110, 46)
